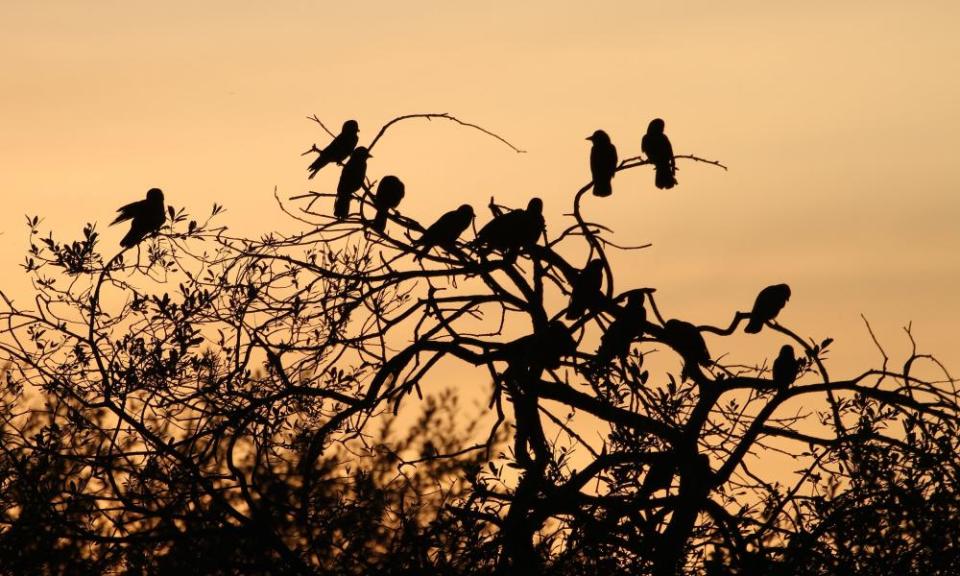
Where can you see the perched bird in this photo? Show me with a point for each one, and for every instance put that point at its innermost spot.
(513, 231)
(769, 302)
(146, 217)
(603, 163)
(627, 327)
(390, 192)
(338, 149)
(351, 179)
(540, 350)
(785, 367)
(686, 339)
(586, 289)
(658, 149)
(445, 231)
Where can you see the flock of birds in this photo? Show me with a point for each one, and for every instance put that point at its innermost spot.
(512, 232)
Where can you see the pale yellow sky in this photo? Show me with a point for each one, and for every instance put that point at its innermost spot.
(840, 123)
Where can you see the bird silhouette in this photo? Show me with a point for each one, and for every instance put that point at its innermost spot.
(390, 192)
(786, 367)
(686, 339)
(445, 231)
(513, 231)
(768, 304)
(542, 349)
(627, 327)
(351, 179)
(338, 149)
(658, 149)
(603, 163)
(146, 217)
(586, 289)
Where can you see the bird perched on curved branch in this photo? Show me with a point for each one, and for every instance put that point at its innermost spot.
(586, 289)
(338, 149)
(603, 163)
(686, 339)
(768, 304)
(786, 367)
(627, 327)
(659, 151)
(390, 192)
(445, 231)
(146, 217)
(351, 179)
(541, 350)
(513, 231)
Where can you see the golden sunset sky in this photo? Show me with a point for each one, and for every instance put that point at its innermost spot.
(840, 122)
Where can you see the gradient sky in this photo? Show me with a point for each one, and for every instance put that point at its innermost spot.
(840, 122)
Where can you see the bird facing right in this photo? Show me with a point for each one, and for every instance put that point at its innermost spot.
(768, 304)
(445, 231)
(603, 163)
(513, 231)
(785, 367)
(146, 217)
(338, 149)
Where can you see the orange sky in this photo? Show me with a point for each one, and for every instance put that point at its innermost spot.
(840, 123)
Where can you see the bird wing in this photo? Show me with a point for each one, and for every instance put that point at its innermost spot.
(128, 212)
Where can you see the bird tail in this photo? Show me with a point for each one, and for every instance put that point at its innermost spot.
(379, 221)
(132, 238)
(602, 188)
(316, 166)
(665, 178)
(341, 207)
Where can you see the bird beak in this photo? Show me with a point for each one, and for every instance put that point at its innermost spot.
(589, 138)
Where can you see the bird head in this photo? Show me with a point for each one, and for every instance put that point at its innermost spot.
(594, 266)
(155, 195)
(535, 206)
(656, 126)
(786, 352)
(784, 290)
(361, 153)
(351, 126)
(466, 211)
(599, 136)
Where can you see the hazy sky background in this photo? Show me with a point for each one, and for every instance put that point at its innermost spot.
(840, 122)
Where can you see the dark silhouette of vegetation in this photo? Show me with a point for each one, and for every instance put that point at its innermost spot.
(287, 405)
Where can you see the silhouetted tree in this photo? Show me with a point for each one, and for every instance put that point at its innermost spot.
(284, 405)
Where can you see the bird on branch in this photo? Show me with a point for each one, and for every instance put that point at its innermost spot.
(768, 304)
(146, 217)
(338, 149)
(603, 163)
(686, 339)
(786, 367)
(627, 327)
(390, 192)
(445, 231)
(659, 151)
(351, 179)
(511, 232)
(586, 290)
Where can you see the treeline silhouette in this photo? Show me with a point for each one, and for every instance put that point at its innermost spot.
(204, 403)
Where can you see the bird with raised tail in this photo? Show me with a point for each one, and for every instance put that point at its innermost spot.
(146, 217)
(339, 148)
